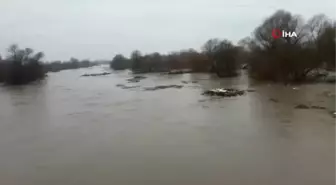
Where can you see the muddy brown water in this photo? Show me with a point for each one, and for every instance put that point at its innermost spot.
(72, 130)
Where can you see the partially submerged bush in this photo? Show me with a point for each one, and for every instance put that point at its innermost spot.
(120, 62)
(291, 58)
(73, 63)
(21, 66)
(223, 55)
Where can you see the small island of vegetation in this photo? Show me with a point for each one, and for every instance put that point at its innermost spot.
(21, 66)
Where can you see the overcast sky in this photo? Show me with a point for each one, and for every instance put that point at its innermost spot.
(99, 29)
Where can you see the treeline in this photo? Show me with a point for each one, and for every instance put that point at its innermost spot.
(73, 63)
(22, 66)
(219, 56)
(283, 59)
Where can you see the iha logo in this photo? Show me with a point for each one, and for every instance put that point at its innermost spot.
(277, 33)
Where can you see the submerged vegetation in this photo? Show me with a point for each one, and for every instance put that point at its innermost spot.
(21, 66)
(292, 58)
(73, 63)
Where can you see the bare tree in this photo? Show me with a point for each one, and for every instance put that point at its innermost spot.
(136, 60)
(209, 48)
(280, 20)
(289, 58)
(120, 62)
(316, 26)
(23, 65)
(225, 62)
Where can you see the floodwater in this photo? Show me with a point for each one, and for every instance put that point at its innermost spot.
(72, 130)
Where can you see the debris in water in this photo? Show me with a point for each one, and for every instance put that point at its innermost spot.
(333, 114)
(136, 79)
(318, 107)
(186, 82)
(302, 106)
(133, 80)
(162, 87)
(96, 74)
(224, 92)
(126, 87)
(274, 100)
(176, 72)
(328, 94)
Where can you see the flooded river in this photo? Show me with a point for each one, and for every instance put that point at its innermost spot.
(72, 130)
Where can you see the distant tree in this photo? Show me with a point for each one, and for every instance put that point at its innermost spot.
(210, 47)
(153, 62)
(316, 26)
(326, 46)
(136, 58)
(283, 59)
(85, 63)
(22, 66)
(120, 62)
(225, 59)
(74, 63)
(2, 70)
(199, 62)
(279, 20)
(321, 35)
(223, 56)
(174, 60)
